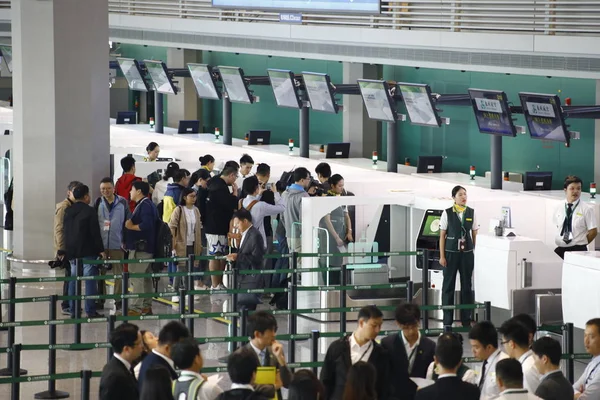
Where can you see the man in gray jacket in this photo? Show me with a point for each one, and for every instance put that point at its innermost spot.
(292, 216)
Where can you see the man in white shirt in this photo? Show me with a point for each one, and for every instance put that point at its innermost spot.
(246, 164)
(191, 385)
(515, 338)
(587, 386)
(484, 342)
(258, 208)
(509, 378)
(575, 220)
(242, 366)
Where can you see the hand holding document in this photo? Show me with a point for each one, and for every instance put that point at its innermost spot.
(422, 383)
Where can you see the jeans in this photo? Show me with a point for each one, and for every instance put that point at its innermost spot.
(171, 268)
(65, 305)
(91, 286)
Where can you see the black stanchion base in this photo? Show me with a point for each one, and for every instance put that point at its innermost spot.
(8, 372)
(57, 394)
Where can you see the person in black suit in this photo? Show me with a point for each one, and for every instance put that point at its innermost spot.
(448, 356)
(170, 334)
(262, 328)
(241, 367)
(117, 381)
(360, 346)
(410, 353)
(249, 256)
(554, 385)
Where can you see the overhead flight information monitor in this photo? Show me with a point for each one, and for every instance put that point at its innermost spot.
(7, 55)
(160, 77)
(544, 117)
(284, 88)
(320, 92)
(204, 81)
(340, 6)
(233, 79)
(417, 99)
(133, 73)
(378, 100)
(492, 112)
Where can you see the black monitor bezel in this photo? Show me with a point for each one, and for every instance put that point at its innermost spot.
(140, 71)
(390, 100)
(166, 71)
(241, 73)
(525, 96)
(257, 131)
(214, 80)
(345, 146)
(505, 109)
(437, 158)
(528, 175)
(336, 107)
(428, 91)
(195, 122)
(292, 78)
(122, 113)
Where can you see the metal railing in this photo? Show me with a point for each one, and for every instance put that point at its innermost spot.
(548, 17)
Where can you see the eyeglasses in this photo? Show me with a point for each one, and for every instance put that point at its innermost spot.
(504, 342)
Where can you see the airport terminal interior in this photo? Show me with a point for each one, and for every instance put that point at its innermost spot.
(412, 104)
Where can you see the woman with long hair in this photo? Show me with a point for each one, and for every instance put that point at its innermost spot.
(157, 385)
(306, 386)
(360, 384)
(186, 228)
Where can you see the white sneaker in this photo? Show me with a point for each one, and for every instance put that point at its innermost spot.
(221, 287)
(170, 288)
(200, 287)
(175, 299)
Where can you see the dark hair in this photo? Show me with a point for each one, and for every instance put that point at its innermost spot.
(72, 185)
(206, 159)
(306, 386)
(456, 189)
(369, 312)
(301, 173)
(548, 347)
(515, 331)
(242, 213)
(157, 384)
(485, 333)
(123, 335)
(335, 179)
(246, 159)
(263, 169)
(108, 179)
(184, 352)
(510, 372)
(180, 175)
(184, 194)
(408, 314)
(202, 174)
(260, 322)
(449, 351)
(172, 167)
(526, 320)
(250, 184)
(80, 192)
(230, 164)
(144, 187)
(572, 179)
(127, 163)
(172, 333)
(323, 169)
(594, 322)
(230, 169)
(360, 382)
(151, 146)
(241, 365)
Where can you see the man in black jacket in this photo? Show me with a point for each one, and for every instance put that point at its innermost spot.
(448, 356)
(118, 381)
(410, 353)
(554, 385)
(360, 346)
(83, 240)
(263, 174)
(220, 206)
(241, 367)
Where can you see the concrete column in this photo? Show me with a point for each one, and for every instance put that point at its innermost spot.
(186, 104)
(597, 139)
(362, 132)
(61, 109)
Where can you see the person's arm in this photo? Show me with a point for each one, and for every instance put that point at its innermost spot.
(328, 373)
(590, 223)
(284, 371)
(443, 229)
(168, 207)
(349, 236)
(592, 389)
(174, 226)
(59, 237)
(95, 233)
(474, 229)
(255, 257)
(474, 234)
(332, 232)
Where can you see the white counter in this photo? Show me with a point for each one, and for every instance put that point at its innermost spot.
(499, 267)
(465, 180)
(580, 293)
(283, 149)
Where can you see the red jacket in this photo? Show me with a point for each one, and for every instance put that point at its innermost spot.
(123, 187)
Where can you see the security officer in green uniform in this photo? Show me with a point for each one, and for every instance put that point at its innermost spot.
(458, 229)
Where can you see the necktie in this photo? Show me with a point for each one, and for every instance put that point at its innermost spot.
(482, 380)
(263, 357)
(567, 224)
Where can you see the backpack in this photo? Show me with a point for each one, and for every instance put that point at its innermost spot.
(163, 244)
(8, 198)
(233, 236)
(159, 207)
(193, 389)
(287, 178)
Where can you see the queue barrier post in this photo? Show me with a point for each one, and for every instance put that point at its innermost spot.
(569, 347)
(12, 294)
(447, 328)
(244, 324)
(190, 298)
(52, 393)
(182, 294)
(425, 290)
(2, 329)
(292, 305)
(233, 327)
(112, 320)
(487, 311)
(15, 389)
(314, 348)
(77, 302)
(343, 282)
(125, 302)
(86, 377)
(410, 291)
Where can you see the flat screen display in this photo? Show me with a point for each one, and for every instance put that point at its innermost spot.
(160, 77)
(544, 117)
(233, 79)
(320, 92)
(492, 112)
(202, 75)
(284, 88)
(432, 226)
(133, 73)
(7, 55)
(341, 6)
(417, 99)
(378, 100)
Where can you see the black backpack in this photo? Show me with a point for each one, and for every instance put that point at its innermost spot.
(8, 198)
(287, 178)
(163, 244)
